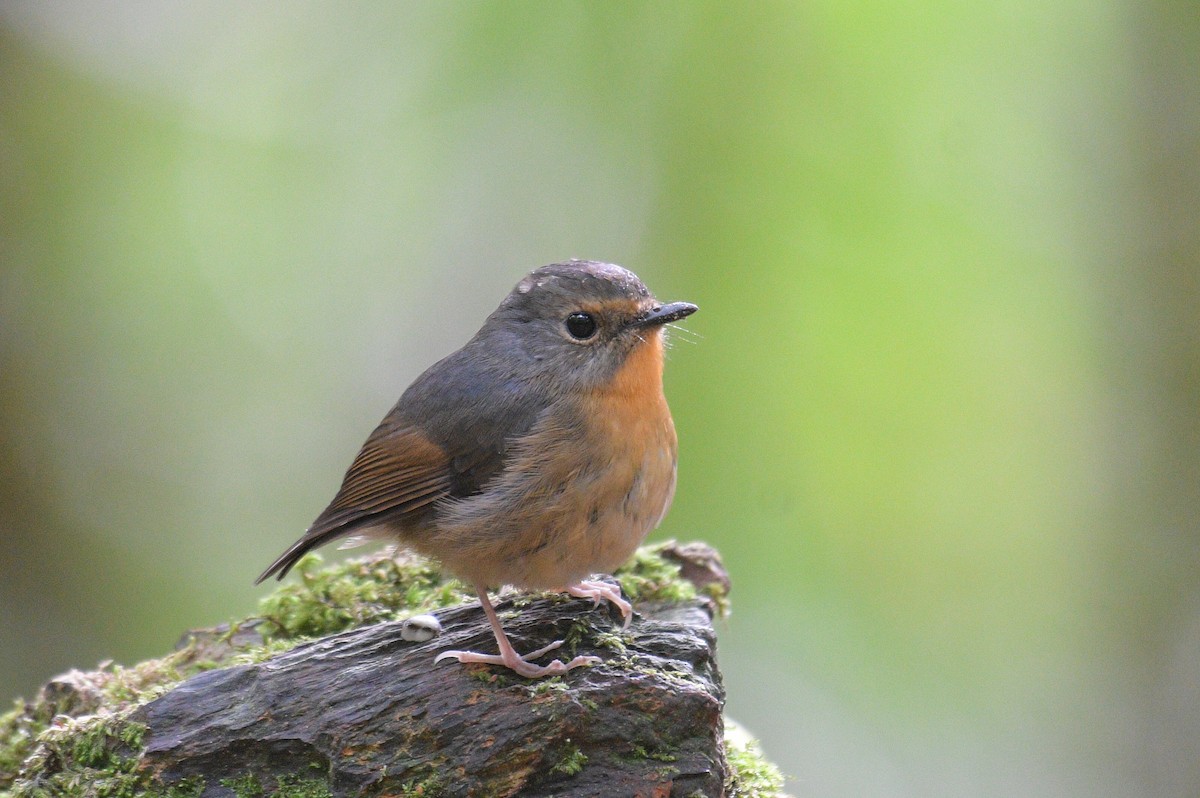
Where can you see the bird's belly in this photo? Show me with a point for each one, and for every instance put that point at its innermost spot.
(597, 529)
(581, 506)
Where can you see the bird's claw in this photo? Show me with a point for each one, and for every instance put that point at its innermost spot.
(521, 664)
(598, 591)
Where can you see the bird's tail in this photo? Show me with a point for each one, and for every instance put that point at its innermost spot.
(279, 569)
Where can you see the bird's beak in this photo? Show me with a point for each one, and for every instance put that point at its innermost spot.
(664, 314)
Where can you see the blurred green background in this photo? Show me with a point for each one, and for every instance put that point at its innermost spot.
(941, 413)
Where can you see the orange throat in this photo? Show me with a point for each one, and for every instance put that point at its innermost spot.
(640, 378)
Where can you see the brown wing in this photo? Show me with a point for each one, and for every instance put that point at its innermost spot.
(398, 473)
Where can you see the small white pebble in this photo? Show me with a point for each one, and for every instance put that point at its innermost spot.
(420, 628)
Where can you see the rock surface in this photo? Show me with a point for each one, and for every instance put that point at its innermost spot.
(370, 711)
(318, 696)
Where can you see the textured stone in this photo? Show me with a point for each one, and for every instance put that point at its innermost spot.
(368, 712)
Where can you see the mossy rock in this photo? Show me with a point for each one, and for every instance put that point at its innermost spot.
(319, 695)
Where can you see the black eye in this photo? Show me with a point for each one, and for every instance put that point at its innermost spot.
(581, 325)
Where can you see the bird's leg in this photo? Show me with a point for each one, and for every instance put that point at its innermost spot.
(508, 656)
(596, 591)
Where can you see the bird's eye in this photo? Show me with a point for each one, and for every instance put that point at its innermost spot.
(581, 325)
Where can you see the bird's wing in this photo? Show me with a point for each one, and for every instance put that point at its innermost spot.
(446, 438)
(398, 473)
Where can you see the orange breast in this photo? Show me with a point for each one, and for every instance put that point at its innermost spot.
(633, 421)
(584, 489)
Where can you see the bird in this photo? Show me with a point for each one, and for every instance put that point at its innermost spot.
(538, 455)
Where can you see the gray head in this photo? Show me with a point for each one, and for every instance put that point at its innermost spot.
(578, 321)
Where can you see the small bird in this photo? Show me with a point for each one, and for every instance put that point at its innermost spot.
(540, 453)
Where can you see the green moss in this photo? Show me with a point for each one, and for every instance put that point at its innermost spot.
(572, 760)
(579, 631)
(429, 787)
(388, 586)
(19, 728)
(554, 684)
(261, 653)
(750, 775)
(720, 598)
(298, 787)
(77, 727)
(483, 675)
(191, 787)
(247, 786)
(640, 752)
(613, 642)
(649, 576)
(43, 752)
(287, 786)
(354, 593)
(93, 754)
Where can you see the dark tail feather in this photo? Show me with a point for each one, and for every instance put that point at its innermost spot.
(330, 525)
(279, 569)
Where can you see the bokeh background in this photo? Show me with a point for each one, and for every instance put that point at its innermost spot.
(940, 407)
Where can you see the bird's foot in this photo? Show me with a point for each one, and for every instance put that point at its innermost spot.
(509, 658)
(597, 591)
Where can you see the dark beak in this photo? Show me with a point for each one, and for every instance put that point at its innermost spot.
(664, 314)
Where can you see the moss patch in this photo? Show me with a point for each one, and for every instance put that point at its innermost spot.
(287, 786)
(384, 587)
(355, 593)
(97, 753)
(247, 786)
(18, 730)
(429, 787)
(750, 774)
(572, 760)
(297, 787)
(76, 732)
(651, 577)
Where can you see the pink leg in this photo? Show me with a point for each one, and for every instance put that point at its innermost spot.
(602, 590)
(508, 656)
